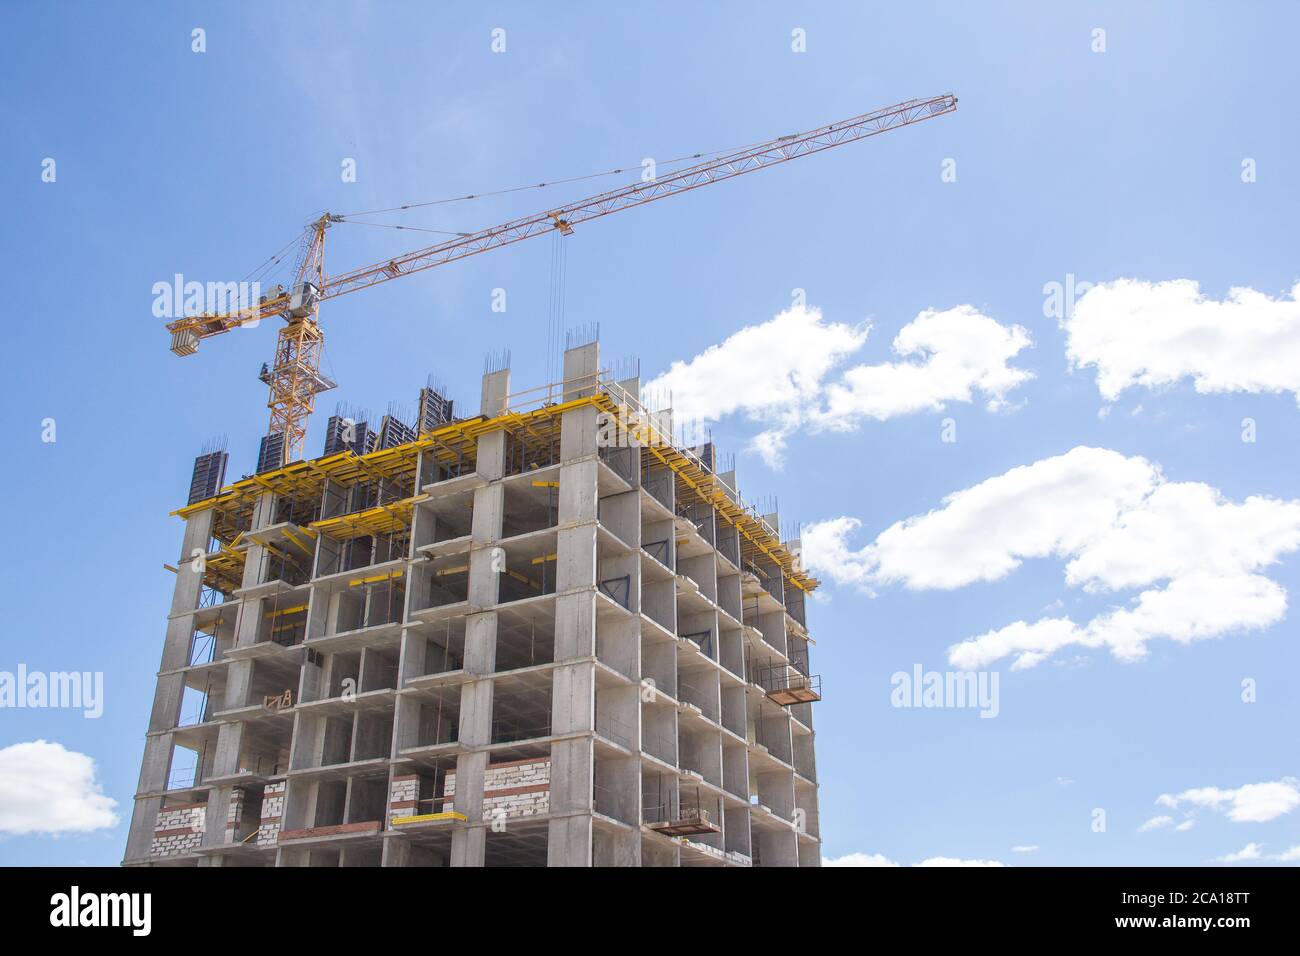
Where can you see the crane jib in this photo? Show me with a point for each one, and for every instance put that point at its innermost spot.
(728, 166)
(724, 167)
(294, 378)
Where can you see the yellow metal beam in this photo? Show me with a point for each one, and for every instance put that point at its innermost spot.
(381, 519)
(304, 479)
(447, 815)
(296, 609)
(307, 477)
(375, 579)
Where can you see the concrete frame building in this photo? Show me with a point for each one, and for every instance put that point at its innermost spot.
(542, 635)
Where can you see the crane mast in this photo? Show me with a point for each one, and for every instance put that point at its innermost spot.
(294, 379)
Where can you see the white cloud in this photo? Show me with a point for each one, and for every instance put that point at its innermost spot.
(860, 859)
(767, 371)
(1162, 822)
(953, 861)
(825, 550)
(1251, 851)
(1119, 525)
(984, 532)
(1152, 334)
(1031, 848)
(1254, 851)
(1253, 803)
(1156, 823)
(950, 356)
(779, 373)
(879, 859)
(45, 788)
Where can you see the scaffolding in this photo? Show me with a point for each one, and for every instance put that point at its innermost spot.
(786, 685)
(683, 819)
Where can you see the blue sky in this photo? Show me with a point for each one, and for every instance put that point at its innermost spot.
(1107, 165)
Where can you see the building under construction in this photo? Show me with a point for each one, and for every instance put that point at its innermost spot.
(544, 634)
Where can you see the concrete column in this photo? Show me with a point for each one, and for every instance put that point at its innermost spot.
(167, 701)
(569, 832)
(573, 698)
(154, 768)
(469, 846)
(575, 566)
(496, 388)
(579, 433)
(239, 681)
(581, 366)
(140, 837)
(167, 694)
(481, 643)
(254, 564)
(569, 842)
(573, 701)
(176, 645)
(476, 695)
(230, 741)
(264, 511)
(397, 852)
(156, 764)
(216, 816)
(632, 386)
(198, 532)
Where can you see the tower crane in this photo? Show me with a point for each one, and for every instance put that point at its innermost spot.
(294, 377)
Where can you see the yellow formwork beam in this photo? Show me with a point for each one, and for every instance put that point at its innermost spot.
(296, 609)
(305, 478)
(225, 568)
(381, 519)
(375, 579)
(447, 816)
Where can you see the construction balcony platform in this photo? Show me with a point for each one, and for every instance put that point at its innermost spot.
(688, 826)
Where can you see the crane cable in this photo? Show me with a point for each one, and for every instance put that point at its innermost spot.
(259, 272)
(555, 309)
(557, 293)
(390, 225)
(544, 185)
(347, 217)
